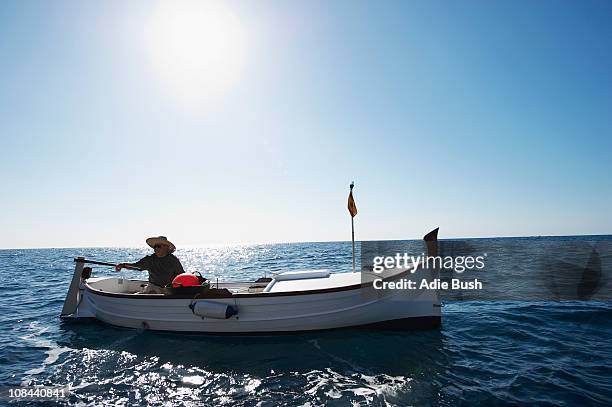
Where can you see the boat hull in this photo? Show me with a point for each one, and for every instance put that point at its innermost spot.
(256, 314)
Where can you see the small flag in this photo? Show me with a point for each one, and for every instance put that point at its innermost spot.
(351, 202)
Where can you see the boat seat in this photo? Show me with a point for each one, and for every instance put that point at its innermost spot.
(296, 275)
(300, 275)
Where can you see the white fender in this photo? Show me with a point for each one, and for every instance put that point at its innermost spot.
(212, 309)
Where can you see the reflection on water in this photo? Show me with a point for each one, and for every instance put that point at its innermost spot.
(154, 366)
(259, 354)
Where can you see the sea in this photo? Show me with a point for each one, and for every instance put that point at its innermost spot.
(536, 350)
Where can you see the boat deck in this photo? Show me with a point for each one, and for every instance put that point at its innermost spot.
(283, 282)
(287, 283)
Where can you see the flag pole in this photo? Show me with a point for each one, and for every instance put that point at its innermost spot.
(353, 239)
(353, 211)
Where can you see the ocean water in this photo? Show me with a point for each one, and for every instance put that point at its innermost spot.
(537, 352)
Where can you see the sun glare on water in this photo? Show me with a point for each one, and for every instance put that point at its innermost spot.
(197, 46)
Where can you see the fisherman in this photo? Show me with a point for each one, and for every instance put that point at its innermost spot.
(162, 265)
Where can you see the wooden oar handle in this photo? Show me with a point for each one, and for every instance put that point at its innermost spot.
(103, 263)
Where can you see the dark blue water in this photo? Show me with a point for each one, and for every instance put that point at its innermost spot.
(489, 352)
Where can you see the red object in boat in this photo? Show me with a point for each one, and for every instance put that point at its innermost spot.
(185, 280)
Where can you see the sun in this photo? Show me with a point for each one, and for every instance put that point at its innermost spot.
(197, 47)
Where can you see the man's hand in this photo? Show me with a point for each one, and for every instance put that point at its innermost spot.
(119, 266)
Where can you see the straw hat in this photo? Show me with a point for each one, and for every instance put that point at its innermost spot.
(153, 241)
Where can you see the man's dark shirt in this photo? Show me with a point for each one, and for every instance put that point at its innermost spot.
(162, 270)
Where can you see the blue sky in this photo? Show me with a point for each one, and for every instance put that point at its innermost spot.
(484, 118)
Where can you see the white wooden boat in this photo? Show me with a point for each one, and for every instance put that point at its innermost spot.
(288, 302)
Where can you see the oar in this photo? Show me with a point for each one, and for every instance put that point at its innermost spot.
(104, 263)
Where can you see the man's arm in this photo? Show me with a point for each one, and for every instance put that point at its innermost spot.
(141, 264)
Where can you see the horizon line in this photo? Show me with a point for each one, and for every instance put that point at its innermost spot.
(202, 245)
